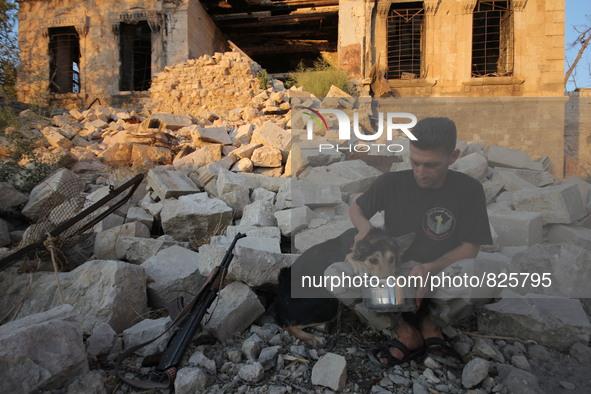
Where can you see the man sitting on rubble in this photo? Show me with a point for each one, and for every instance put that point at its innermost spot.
(447, 212)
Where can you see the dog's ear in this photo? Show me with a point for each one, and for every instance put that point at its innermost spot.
(404, 242)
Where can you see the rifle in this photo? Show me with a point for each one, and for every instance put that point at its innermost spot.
(194, 312)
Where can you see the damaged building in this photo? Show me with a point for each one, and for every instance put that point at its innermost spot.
(503, 59)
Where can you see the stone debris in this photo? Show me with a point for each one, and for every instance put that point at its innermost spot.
(223, 155)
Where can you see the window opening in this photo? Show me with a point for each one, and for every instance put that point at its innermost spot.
(135, 46)
(492, 39)
(64, 60)
(405, 32)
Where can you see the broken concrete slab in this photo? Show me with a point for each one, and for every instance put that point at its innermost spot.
(270, 183)
(106, 243)
(31, 362)
(193, 161)
(517, 228)
(237, 200)
(308, 154)
(254, 231)
(584, 188)
(236, 309)
(291, 221)
(228, 181)
(172, 271)
(172, 121)
(212, 134)
(511, 181)
(573, 235)
(307, 238)
(195, 217)
(557, 204)
(500, 156)
(550, 321)
(352, 176)
(270, 134)
(473, 165)
(266, 156)
(253, 242)
(170, 184)
(146, 330)
(136, 250)
(536, 178)
(298, 193)
(55, 138)
(245, 151)
(330, 371)
(137, 214)
(149, 155)
(101, 340)
(259, 213)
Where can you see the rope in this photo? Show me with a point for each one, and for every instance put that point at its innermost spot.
(56, 254)
(526, 341)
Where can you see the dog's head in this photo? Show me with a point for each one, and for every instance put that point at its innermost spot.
(378, 253)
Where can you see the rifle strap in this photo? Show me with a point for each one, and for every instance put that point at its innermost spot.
(169, 374)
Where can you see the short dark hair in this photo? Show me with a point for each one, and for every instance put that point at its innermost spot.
(435, 133)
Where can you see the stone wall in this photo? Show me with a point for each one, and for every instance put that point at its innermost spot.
(533, 125)
(447, 46)
(577, 133)
(97, 24)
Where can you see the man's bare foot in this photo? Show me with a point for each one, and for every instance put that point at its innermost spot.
(408, 336)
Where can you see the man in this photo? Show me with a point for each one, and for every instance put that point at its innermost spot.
(447, 212)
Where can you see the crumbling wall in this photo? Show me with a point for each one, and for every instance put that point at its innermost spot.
(577, 133)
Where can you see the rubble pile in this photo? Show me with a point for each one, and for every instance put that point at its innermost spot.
(215, 168)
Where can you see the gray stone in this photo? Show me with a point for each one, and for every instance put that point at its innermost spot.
(270, 183)
(243, 133)
(137, 214)
(268, 356)
(55, 138)
(245, 151)
(228, 181)
(212, 134)
(191, 380)
(251, 372)
(243, 165)
(257, 243)
(146, 330)
(291, 221)
(259, 213)
(536, 178)
(42, 351)
(400, 380)
(251, 266)
(330, 371)
(254, 231)
(172, 121)
(352, 176)
(418, 388)
(307, 154)
(137, 250)
(499, 156)
(581, 352)
(475, 372)
(263, 194)
(236, 200)
(266, 156)
(252, 346)
(298, 193)
(567, 385)
(90, 382)
(554, 322)
(520, 362)
(10, 197)
(4, 233)
(236, 308)
(307, 238)
(484, 348)
(540, 354)
(517, 228)
(196, 218)
(172, 271)
(429, 375)
(516, 380)
(200, 360)
(106, 243)
(169, 184)
(473, 165)
(234, 356)
(511, 181)
(584, 187)
(59, 187)
(195, 160)
(574, 235)
(101, 340)
(557, 204)
(270, 134)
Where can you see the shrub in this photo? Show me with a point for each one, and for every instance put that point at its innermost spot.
(320, 77)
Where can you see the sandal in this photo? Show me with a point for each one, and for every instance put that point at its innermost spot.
(383, 352)
(440, 350)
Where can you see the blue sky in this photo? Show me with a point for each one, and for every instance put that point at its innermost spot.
(578, 12)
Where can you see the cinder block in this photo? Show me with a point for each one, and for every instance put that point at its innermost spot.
(517, 228)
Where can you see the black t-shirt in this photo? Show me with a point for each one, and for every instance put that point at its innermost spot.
(441, 218)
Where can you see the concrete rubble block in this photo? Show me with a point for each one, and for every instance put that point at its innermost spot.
(298, 193)
(228, 181)
(136, 250)
(266, 156)
(291, 221)
(243, 165)
(173, 121)
(117, 153)
(251, 241)
(268, 171)
(251, 266)
(194, 217)
(307, 238)
(245, 151)
(536, 178)
(156, 154)
(517, 380)
(236, 200)
(60, 186)
(55, 138)
(236, 309)
(263, 194)
(172, 271)
(574, 235)
(308, 154)
(517, 228)
(146, 330)
(491, 189)
(259, 213)
(106, 243)
(330, 371)
(243, 133)
(473, 165)
(43, 351)
(270, 183)
(137, 214)
(252, 346)
(201, 360)
(170, 184)
(212, 134)
(10, 197)
(557, 204)
(584, 188)
(195, 160)
(190, 380)
(254, 231)
(109, 222)
(554, 322)
(500, 156)
(270, 134)
(511, 181)
(101, 340)
(352, 176)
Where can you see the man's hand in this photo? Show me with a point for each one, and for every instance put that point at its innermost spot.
(360, 222)
(362, 234)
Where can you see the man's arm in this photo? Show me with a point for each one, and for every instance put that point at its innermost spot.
(360, 222)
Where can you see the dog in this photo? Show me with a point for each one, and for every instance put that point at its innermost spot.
(376, 254)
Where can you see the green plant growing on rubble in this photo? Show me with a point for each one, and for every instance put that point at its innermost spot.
(263, 78)
(320, 77)
(24, 167)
